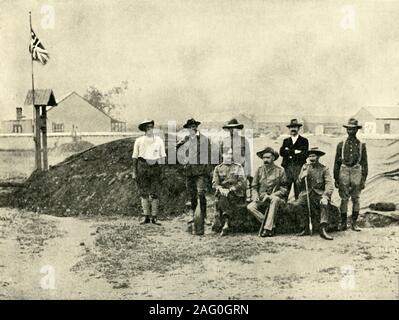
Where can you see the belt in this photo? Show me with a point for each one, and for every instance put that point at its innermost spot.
(356, 165)
(149, 162)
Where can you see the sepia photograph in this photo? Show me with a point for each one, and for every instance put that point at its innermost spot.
(216, 150)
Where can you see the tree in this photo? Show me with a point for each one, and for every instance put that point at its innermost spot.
(106, 100)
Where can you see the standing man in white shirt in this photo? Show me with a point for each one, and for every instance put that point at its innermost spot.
(148, 156)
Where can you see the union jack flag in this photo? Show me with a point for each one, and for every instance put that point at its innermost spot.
(36, 48)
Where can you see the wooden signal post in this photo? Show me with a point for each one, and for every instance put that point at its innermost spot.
(43, 129)
(41, 99)
(38, 156)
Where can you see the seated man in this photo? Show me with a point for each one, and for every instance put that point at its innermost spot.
(316, 188)
(268, 190)
(230, 183)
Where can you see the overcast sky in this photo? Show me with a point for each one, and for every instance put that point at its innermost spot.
(187, 58)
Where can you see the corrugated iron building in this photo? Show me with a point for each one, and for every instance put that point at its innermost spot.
(380, 120)
(73, 113)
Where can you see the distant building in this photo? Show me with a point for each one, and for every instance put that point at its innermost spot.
(324, 124)
(21, 124)
(73, 113)
(316, 124)
(276, 123)
(380, 120)
(217, 120)
(273, 123)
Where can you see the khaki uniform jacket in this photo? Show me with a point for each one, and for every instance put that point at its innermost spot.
(267, 179)
(230, 176)
(319, 180)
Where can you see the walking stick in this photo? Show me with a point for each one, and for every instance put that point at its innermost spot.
(310, 213)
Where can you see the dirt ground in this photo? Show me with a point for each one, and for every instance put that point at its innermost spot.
(113, 257)
(116, 258)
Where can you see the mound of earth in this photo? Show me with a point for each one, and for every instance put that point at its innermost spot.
(97, 181)
(75, 146)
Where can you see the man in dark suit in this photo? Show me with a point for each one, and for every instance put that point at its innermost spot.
(239, 144)
(294, 154)
(194, 152)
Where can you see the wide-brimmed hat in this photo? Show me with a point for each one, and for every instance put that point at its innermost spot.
(316, 151)
(143, 125)
(352, 123)
(294, 123)
(190, 122)
(268, 150)
(233, 124)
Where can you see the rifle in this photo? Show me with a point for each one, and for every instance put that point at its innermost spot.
(249, 188)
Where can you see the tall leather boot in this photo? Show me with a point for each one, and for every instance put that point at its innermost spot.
(155, 211)
(354, 226)
(194, 202)
(304, 229)
(225, 229)
(202, 201)
(145, 204)
(323, 232)
(344, 222)
(190, 212)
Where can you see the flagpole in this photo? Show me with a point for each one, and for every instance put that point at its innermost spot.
(36, 111)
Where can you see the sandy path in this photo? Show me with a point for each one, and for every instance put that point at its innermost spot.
(298, 268)
(24, 272)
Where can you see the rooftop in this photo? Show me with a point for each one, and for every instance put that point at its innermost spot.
(43, 97)
(74, 93)
(383, 112)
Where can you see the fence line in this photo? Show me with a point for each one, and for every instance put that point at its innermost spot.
(24, 141)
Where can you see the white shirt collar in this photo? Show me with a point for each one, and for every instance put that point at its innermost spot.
(196, 135)
(294, 139)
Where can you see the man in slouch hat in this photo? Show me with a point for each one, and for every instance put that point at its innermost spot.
(316, 188)
(350, 172)
(148, 156)
(238, 144)
(194, 152)
(269, 190)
